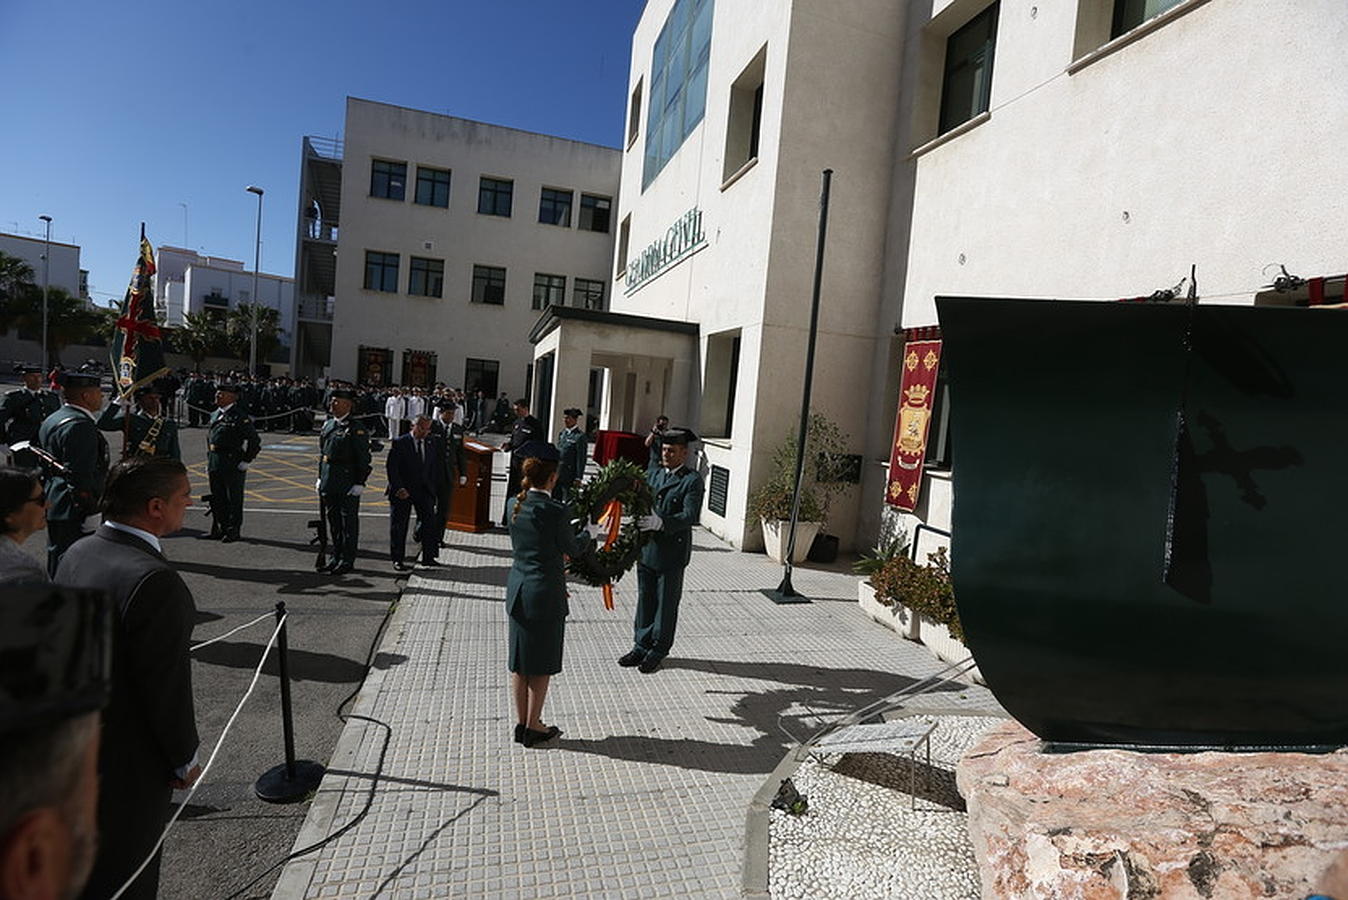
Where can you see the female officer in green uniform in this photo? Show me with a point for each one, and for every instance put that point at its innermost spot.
(541, 534)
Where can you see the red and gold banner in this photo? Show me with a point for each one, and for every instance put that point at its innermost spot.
(921, 362)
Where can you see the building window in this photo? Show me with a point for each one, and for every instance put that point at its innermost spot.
(1128, 14)
(549, 290)
(388, 179)
(481, 375)
(554, 207)
(967, 86)
(381, 271)
(427, 278)
(938, 438)
(678, 83)
(634, 115)
(595, 213)
(588, 294)
(719, 384)
(432, 187)
(494, 197)
(624, 238)
(744, 123)
(489, 285)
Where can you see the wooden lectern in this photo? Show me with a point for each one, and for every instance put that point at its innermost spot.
(470, 507)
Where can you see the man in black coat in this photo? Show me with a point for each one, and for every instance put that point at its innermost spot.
(525, 430)
(150, 738)
(416, 472)
(456, 463)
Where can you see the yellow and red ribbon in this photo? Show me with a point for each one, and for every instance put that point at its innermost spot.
(611, 519)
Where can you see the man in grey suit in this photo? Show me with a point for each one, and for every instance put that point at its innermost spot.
(149, 728)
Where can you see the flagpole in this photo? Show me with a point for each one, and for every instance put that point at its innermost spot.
(126, 408)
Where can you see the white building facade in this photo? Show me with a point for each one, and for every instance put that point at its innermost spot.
(65, 272)
(453, 236)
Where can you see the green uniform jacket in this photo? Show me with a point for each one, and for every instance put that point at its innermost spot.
(164, 443)
(22, 414)
(678, 502)
(70, 435)
(232, 439)
(345, 460)
(571, 444)
(540, 534)
(456, 460)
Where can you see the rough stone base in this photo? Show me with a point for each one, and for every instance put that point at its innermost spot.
(1117, 824)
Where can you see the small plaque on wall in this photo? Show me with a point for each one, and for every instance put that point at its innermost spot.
(720, 489)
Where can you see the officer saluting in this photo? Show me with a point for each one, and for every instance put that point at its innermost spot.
(232, 443)
(151, 432)
(22, 413)
(72, 437)
(342, 469)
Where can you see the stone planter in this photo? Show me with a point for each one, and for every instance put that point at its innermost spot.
(897, 617)
(776, 534)
(936, 637)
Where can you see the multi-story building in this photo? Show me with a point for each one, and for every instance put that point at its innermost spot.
(65, 272)
(453, 236)
(1094, 148)
(188, 282)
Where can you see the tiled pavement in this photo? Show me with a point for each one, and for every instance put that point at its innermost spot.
(646, 792)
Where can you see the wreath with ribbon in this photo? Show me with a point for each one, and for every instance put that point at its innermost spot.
(619, 492)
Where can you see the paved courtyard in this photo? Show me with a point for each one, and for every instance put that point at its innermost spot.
(647, 791)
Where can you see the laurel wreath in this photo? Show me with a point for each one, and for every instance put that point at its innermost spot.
(625, 482)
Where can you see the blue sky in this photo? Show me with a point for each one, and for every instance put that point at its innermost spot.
(118, 113)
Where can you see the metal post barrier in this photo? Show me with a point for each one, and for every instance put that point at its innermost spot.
(293, 779)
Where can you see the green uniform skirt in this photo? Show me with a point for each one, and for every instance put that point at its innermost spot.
(536, 648)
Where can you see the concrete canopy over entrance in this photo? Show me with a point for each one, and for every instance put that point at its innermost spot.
(642, 367)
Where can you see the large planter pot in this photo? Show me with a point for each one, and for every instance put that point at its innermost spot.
(895, 616)
(776, 534)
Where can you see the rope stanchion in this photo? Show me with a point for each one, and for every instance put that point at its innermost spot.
(195, 647)
(293, 779)
(279, 630)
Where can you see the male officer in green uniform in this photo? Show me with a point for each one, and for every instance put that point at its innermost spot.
(571, 445)
(456, 461)
(232, 443)
(342, 469)
(151, 432)
(200, 391)
(678, 506)
(72, 437)
(23, 411)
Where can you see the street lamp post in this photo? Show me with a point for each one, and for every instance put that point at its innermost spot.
(46, 289)
(257, 261)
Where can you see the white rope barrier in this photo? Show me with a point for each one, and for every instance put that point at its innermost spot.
(206, 768)
(195, 647)
(280, 415)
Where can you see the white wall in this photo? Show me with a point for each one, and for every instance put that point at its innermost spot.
(237, 285)
(65, 260)
(451, 326)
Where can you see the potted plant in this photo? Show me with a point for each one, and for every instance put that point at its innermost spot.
(770, 504)
(926, 591)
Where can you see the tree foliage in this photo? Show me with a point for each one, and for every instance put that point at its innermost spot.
(70, 320)
(239, 329)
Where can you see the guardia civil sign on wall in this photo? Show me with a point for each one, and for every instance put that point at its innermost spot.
(680, 241)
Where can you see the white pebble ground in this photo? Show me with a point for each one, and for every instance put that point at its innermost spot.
(861, 838)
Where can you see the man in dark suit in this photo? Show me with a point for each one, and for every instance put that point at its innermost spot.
(72, 438)
(452, 433)
(149, 728)
(678, 506)
(571, 445)
(416, 472)
(526, 429)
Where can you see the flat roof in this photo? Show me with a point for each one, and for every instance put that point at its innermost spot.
(553, 316)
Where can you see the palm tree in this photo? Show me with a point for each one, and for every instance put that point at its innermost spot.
(69, 319)
(239, 329)
(198, 336)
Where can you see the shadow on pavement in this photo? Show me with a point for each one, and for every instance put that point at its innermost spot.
(293, 581)
(305, 665)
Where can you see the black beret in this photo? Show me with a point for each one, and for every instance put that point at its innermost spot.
(78, 380)
(343, 394)
(679, 436)
(571, 411)
(540, 450)
(227, 386)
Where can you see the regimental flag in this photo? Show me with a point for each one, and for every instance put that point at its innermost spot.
(137, 349)
(921, 362)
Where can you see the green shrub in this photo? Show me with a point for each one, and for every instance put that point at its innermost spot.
(923, 589)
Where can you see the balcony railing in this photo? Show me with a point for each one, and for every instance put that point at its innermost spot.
(312, 306)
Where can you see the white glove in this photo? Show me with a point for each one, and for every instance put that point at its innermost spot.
(318, 484)
(597, 531)
(653, 522)
(243, 467)
(463, 479)
(356, 490)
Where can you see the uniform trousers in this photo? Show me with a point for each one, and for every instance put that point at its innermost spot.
(343, 515)
(227, 497)
(60, 535)
(657, 613)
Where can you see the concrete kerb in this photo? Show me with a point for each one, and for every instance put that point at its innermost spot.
(298, 874)
(754, 881)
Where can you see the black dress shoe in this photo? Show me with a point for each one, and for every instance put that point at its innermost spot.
(519, 733)
(650, 664)
(534, 738)
(631, 658)
(399, 566)
(210, 536)
(432, 563)
(342, 568)
(230, 537)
